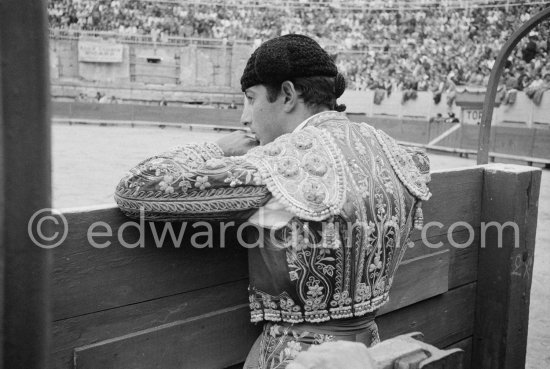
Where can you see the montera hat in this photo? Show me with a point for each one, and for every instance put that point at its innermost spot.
(286, 57)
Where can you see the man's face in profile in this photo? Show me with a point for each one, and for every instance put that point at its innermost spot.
(264, 118)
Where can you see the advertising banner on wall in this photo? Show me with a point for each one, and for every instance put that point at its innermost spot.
(99, 52)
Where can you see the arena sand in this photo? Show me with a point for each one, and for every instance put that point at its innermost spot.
(88, 162)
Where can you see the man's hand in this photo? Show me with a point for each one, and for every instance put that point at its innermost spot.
(237, 143)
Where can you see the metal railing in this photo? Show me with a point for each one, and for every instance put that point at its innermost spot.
(131, 38)
(146, 39)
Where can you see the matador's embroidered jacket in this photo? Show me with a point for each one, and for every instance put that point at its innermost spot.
(350, 188)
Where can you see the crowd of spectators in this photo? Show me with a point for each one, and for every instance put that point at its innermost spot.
(432, 48)
(438, 50)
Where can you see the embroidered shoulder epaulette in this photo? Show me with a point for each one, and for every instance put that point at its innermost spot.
(304, 170)
(411, 164)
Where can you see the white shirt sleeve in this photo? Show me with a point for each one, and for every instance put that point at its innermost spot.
(272, 215)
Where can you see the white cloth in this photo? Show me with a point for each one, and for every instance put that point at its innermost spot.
(334, 355)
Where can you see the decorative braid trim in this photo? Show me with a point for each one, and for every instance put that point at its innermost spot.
(422, 192)
(159, 205)
(215, 151)
(356, 310)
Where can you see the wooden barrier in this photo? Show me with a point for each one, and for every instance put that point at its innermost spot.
(408, 351)
(76, 111)
(25, 184)
(122, 305)
(531, 145)
(423, 107)
(510, 142)
(541, 112)
(520, 112)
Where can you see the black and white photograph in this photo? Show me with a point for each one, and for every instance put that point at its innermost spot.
(274, 184)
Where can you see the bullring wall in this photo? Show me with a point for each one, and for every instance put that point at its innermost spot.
(195, 72)
(187, 66)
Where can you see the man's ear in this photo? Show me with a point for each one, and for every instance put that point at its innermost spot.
(290, 96)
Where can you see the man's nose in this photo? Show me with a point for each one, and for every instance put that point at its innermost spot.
(246, 118)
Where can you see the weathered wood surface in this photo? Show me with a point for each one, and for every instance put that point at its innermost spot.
(25, 183)
(2, 213)
(178, 344)
(214, 340)
(505, 268)
(409, 351)
(432, 269)
(111, 323)
(456, 197)
(89, 279)
(443, 319)
(466, 346)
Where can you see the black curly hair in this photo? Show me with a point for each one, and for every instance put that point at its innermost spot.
(315, 91)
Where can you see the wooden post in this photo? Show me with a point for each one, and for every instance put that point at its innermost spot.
(24, 182)
(505, 266)
(2, 213)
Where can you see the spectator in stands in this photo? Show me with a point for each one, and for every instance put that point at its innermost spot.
(81, 97)
(530, 49)
(537, 88)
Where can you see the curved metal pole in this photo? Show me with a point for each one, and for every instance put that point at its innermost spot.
(488, 104)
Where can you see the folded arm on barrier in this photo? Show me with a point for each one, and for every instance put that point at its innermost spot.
(193, 181)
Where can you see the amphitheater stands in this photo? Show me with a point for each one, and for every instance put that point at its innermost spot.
(418, 45)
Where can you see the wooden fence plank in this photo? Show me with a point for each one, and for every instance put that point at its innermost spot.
(510, 194)
(26, 184)
(466, 346)
(91, 328)
(89, 279)
(418, 279)
(210, 341)
(456, 197)
(442, 319)
(214, 340)
(463, 260)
